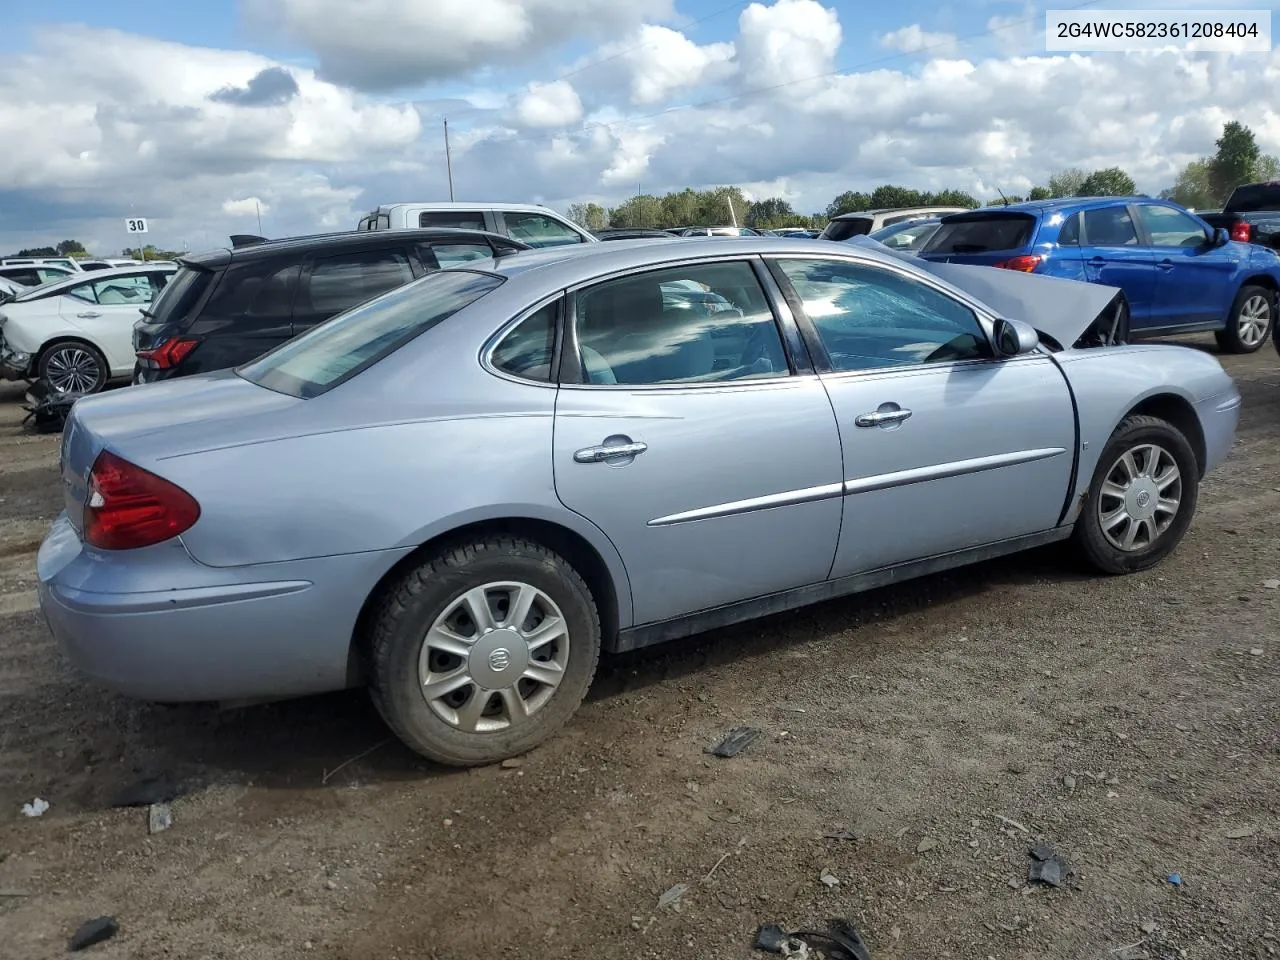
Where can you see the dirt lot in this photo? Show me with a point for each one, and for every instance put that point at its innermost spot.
(1129, 723)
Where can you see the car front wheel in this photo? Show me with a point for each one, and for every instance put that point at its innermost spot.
(483, 651)
(1250, 321)
(73, 367)
(1141, 499)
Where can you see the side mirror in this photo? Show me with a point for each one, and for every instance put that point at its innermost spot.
(1014, 337)
(1220, 237)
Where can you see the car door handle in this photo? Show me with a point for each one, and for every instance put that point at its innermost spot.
(1165, 264)
(881, 417)
(88, 315)
(603, 452)
(1096, 261)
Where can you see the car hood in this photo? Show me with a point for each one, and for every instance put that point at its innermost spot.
(1062, 309)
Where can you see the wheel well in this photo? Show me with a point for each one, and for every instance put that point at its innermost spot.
(1177, 411)
(576, 551)
(46, 347)
(1261, 280)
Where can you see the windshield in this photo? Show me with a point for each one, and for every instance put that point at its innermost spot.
(1003, 231)
(351, 342)
(844, 229)
(179, 294)
(1254, 196)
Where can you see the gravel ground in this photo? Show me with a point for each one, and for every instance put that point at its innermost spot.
(936, 729)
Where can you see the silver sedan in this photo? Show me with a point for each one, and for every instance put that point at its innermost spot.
(460, 493)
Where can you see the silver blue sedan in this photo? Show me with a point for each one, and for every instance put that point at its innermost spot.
(460, 493)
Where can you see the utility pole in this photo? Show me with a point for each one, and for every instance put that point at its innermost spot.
(448, 159)
(257, 206)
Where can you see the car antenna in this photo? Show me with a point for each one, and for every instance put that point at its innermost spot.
(1002, 196)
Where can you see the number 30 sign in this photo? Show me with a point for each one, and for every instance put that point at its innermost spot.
(136, 225)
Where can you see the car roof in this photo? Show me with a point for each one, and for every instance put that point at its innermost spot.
(854, 214)
(1063, 203)
(343, 240)
(452, 205)
(95, 276)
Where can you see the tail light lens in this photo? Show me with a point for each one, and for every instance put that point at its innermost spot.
(1241, 232)
(129, 507)
(170, 353)
(1024, 264)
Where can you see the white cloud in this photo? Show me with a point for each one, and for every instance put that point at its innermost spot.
(385, 44)
(658, 62)
(912, 39)
(554, 104)
(248, 207)
(789, 41)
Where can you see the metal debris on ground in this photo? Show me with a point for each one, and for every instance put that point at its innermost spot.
(1047, 866)
(148, 791)
(672, 895)
(47, 410)
(159, 817)
(1175, 879)
(93, 931)
(735, 740)
(36, 808)
(840, 941)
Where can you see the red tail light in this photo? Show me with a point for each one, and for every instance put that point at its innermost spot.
(1241, 232)
(129, 507)
(170, 353)
(1024, 264)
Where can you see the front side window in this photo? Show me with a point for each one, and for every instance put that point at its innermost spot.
(526, 350)
(703, 323)
(869, 318)
(333, 352)
(1110, 227)
(539, 231)
(455, 219)
(340, 282)
(1171, 228)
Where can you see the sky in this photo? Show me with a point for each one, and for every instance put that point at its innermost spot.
(203, 116)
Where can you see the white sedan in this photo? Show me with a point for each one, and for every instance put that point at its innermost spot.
(76, 334)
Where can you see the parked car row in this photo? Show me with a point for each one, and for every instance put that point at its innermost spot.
(460, 492)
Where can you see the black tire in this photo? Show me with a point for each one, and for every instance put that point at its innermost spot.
(1238, 337)
(1090, 538)
(410, 609)
(73, 363)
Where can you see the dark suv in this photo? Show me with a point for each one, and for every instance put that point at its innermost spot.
(228, 306)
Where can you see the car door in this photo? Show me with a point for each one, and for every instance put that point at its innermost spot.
(105, 310)
(1192, 274)
(1113, 254)
(683, 431)
(333, 284)
(945, 447)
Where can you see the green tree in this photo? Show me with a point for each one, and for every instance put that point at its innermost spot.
(1111, 182)
(891, 195)
(771, 212)
(1067, 183)
(1040, 193)
(67, 247)
(1194, 186)
(589, 216)
(38, 252)
(850, 201)
(950, 198)
(1236, 160)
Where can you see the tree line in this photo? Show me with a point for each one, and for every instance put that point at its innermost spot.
(1203, 184)
(75, 249)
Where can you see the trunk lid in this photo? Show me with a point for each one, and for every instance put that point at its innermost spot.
(148, 423)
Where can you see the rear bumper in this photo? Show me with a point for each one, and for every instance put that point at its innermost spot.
(156, 625)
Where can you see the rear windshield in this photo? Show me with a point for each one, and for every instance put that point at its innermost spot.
(1005, 231)
(179, 295)
(342, 347)
(844, 229)
(1253, 196)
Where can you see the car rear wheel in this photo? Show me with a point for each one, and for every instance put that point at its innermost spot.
(483, 651)
(1141, 499)
(73, 367)
(1250, 321)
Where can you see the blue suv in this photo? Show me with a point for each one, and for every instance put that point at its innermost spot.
(1178, 274)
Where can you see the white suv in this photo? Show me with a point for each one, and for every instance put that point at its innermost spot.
(535, 225)
(861, 222)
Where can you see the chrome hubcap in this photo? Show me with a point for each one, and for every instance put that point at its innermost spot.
(1140, 497)
(71, 370)
(494, 657)
(1254, 320)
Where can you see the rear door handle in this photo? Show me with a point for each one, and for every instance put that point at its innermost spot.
(1165, 264)
(88, 315)
(882, 417)
(613, 451)
(1097, 262)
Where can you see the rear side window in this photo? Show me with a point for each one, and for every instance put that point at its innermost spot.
(461, 219)
(539, 231)
(1254, 196)
(451, 254)
(180, 295)
(844, 229)
(1069, 232)
(527, 349)
(1002, 231)
(23, 275)
(335, 351)
(1110, 227)
(338, 283)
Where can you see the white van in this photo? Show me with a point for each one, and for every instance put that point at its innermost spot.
(535, 225)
